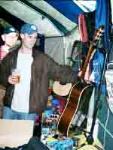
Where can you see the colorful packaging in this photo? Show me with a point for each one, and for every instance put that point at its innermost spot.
(66, 144)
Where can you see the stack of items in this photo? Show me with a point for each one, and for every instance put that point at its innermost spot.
(50, 136)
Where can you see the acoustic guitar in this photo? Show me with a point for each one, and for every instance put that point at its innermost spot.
(80, 93)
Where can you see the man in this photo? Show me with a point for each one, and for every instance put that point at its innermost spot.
(9, 37)
(27, 95)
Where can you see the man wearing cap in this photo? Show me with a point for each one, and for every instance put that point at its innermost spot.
(27, 95)
(9, 37)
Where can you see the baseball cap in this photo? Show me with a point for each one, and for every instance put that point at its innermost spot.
(10, 29)
(29, 29)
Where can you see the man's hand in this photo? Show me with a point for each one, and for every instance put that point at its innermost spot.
(13, 79)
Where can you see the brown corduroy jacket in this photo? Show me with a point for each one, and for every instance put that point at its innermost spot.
(43, 69)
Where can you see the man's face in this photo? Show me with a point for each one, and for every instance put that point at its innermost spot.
(29, 41)
(10, 39)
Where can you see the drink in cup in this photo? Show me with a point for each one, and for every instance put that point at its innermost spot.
(15, 72)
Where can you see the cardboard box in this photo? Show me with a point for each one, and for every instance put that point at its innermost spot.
(14, 133)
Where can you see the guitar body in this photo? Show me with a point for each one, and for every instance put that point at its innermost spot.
(78, 99)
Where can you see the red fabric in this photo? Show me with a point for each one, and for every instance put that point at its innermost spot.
(2, 54)
(83, 28)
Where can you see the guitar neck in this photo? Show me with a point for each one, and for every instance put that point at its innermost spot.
(87, 60)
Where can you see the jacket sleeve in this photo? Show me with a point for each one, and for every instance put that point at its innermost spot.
(4, 71)
(63, 73)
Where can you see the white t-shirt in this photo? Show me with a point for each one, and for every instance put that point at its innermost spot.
(20, 101)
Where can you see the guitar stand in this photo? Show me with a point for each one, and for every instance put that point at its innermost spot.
(89, 140)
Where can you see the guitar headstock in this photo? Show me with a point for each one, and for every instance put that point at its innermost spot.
(98, 35)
